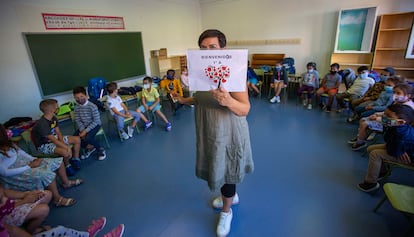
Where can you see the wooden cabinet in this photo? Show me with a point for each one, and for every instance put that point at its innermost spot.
(352, 60)
(160, 65)
(392, 41)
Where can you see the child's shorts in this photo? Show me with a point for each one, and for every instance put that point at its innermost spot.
(157, 107)
(373, 125)
(253, 81)
(49, 148)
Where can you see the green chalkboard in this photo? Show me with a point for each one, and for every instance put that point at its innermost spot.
(63, 61)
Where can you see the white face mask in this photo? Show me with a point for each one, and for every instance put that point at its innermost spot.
(146, 86)
(310, 70)
(400, 98)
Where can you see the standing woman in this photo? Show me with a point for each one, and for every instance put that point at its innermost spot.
(224, 154)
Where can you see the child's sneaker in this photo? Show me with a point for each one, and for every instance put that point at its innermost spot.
(101, 154)
(353, 140)
(304, 102)
(371, 136)
(224, 224)
(69, 170)
(273, 100)
(368, 187)
(117, 232)
(147, 125)
(130, 131)
(168, 127)
(76, 164)
(278, 99)
(309, 106)
(124, 136)
(96, 226)
(358, 146)
(88, 153)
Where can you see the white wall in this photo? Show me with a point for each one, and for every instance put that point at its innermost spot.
(171, 24)
(175, 25)
(313, 21)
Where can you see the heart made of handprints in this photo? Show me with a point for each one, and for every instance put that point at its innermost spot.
(220, 73)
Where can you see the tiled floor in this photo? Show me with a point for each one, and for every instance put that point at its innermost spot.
(304, 182)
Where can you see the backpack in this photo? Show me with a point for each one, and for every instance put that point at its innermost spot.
(96, 88)
(289, 64)
(374, 75)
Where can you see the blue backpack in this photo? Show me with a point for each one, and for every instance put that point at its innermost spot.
(95, 87)
(289, 64)
(374, 75)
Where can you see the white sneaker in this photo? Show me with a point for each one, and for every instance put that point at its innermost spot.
(102, 155)
(218, 201)
(371, 136)
(130, 131)
(309, 106)
(278, 99)
(224, 224)
(87, 153)
(273, 100)
(305, 102)
(124, 136)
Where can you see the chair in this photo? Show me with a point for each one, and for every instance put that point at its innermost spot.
(393, 164)
(260, 73)
(271, 89)
(401, 198)
(111, 119)
(100, 133)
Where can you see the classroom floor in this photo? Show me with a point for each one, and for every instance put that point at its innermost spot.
(304, 183)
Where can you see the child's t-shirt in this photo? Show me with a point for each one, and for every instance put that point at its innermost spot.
(331, 80)
(42, 129)
(361, 86)
(150, 96)
(311, 79)
(115, 102)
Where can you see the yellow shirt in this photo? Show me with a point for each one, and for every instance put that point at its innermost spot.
(150, 96)
(175, 84)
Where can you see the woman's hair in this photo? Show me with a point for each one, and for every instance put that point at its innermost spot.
(111, 87)
(5, 142)
(403, 112)
(213, 33)
(406, 88)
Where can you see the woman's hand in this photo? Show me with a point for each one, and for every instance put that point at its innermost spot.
(35, 163)
(222, 96)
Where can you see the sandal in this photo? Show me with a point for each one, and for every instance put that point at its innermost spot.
(65, 202)
(72, 183)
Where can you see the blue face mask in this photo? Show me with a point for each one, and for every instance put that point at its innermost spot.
(363, 75)
(170, 77)
(388, 89)
(383, 78)
(278, 68)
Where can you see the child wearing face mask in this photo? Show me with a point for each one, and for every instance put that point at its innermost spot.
(172, 86)
(401, 95)
(279, 81)
(329, 85)
(150, 101)
(398, 147)
(385, 99)
(310, 81)
(88, 122)
(358, 88)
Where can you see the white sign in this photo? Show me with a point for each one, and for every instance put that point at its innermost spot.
(211, 69)
(69, 22)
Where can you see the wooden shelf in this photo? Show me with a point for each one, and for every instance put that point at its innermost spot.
(161, 64)
(352, 60)
(391, 44)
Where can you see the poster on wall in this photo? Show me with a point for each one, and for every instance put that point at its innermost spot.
(355, 30)
(54, 21)
(410, 48)
(212, 69)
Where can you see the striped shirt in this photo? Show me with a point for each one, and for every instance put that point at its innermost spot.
(87, 116)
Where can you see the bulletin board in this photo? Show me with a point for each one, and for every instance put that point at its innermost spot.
(62, 61)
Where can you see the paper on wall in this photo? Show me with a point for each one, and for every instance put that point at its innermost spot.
(210, 69)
